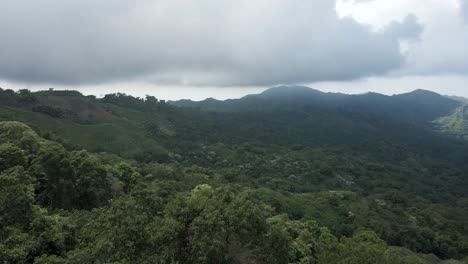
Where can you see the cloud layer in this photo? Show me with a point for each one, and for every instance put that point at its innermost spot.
(441, 48)
(206, 42)
(464, 9)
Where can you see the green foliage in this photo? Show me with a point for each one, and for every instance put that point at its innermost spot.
(53, 111)
(295, 241)
(16, 133)
(16, 197)
(455, 124)
(128, 175)
(11, 156)
(204, 226)
(363, 248)
(284, 177)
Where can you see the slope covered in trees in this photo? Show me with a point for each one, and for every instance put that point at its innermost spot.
(287, 176)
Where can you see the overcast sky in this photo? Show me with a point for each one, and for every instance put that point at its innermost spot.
(225, 49)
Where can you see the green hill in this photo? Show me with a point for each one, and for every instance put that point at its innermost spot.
(454, 124)
(86, 121)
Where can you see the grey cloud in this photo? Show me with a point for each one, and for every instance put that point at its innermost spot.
(409, 29)
(442, 47)
(464, 9)
(206, 42)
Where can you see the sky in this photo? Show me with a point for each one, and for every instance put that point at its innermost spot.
(178, 49)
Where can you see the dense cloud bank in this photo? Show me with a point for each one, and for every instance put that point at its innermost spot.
(442, 47)
(207, 42)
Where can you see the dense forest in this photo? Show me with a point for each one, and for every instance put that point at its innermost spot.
(291, 175)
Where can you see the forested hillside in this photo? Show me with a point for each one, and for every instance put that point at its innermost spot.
(291, 175)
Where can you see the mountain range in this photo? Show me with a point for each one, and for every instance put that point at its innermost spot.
(391, 165)
(107, 124)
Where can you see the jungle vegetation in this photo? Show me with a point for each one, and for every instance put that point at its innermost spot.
(291, 175)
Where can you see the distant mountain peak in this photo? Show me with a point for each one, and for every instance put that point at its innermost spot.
(420, 92)
(427, 97)
(289, 90)
(371, 94)
(211, 99)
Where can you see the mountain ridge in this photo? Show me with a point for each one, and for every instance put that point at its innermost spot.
(421, 104)
(301, 93)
